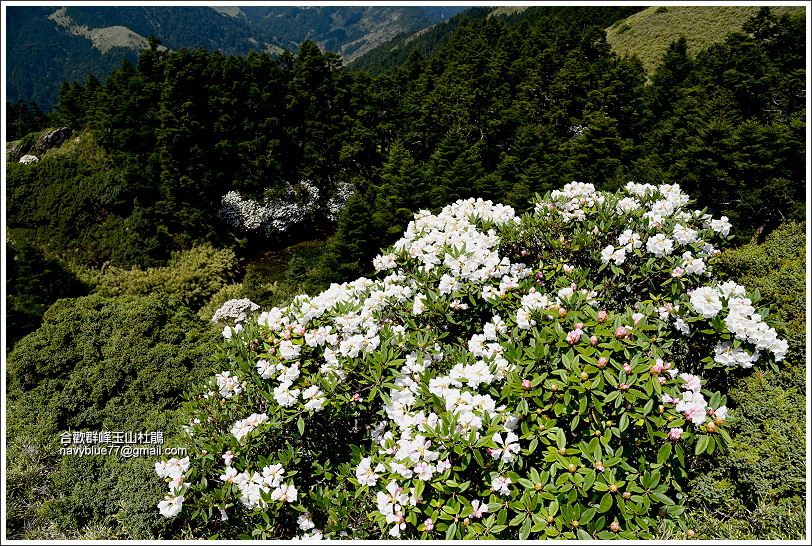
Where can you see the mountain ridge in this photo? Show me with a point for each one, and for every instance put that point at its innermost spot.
(48, 45)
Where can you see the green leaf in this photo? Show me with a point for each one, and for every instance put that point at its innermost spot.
(586, 516)
(589, 479)
(663, 498)
(701, 444)
(611, 396)
(524, 532)
(664, 453)
(560, 439)
(300, 424)
(606, 503)
(723, 433)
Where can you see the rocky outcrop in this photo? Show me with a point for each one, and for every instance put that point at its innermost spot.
(52, 139)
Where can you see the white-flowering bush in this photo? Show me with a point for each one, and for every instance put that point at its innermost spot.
(28, 159)
(235, 311)
(507, 377)
(280, 214)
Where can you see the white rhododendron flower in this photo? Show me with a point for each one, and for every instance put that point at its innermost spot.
(170, 506)
(660, 245)
(706, 301)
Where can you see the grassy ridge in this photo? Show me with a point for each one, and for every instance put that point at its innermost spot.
(649, 32)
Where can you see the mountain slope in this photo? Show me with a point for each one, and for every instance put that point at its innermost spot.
(48, 45)
(347, 30)
(648, 33)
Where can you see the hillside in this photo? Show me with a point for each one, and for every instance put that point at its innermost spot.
(648, 33)
(428, 41)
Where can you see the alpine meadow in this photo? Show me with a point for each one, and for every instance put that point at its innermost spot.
(510, 273)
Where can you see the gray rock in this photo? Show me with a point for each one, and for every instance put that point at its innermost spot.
(52, 139)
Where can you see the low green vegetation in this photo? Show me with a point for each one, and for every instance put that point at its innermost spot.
(96, 364)
(192, 276)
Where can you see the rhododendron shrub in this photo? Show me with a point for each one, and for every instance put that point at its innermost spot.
(504, 377)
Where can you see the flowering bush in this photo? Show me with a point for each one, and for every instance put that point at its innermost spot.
(280, 214)
(509, 377)
(27, 159)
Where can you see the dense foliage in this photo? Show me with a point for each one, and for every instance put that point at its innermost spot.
(44, 47)
(193, 277)
(33, 283)
(96, 364)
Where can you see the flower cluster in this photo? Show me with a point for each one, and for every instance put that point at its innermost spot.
(242, 427)
(280, 214)
(173, 471)
(235, 311)
(28, 159)
(253, 485)
(227, 384)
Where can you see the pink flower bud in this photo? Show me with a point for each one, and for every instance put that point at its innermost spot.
(674, 434)
(579, 325)
(614, 526)
(593, 340)
(526, 384)
(620, 332)
(601, 316)
(602, 361)
(623, 386)
(627, 368)
(573, 337)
